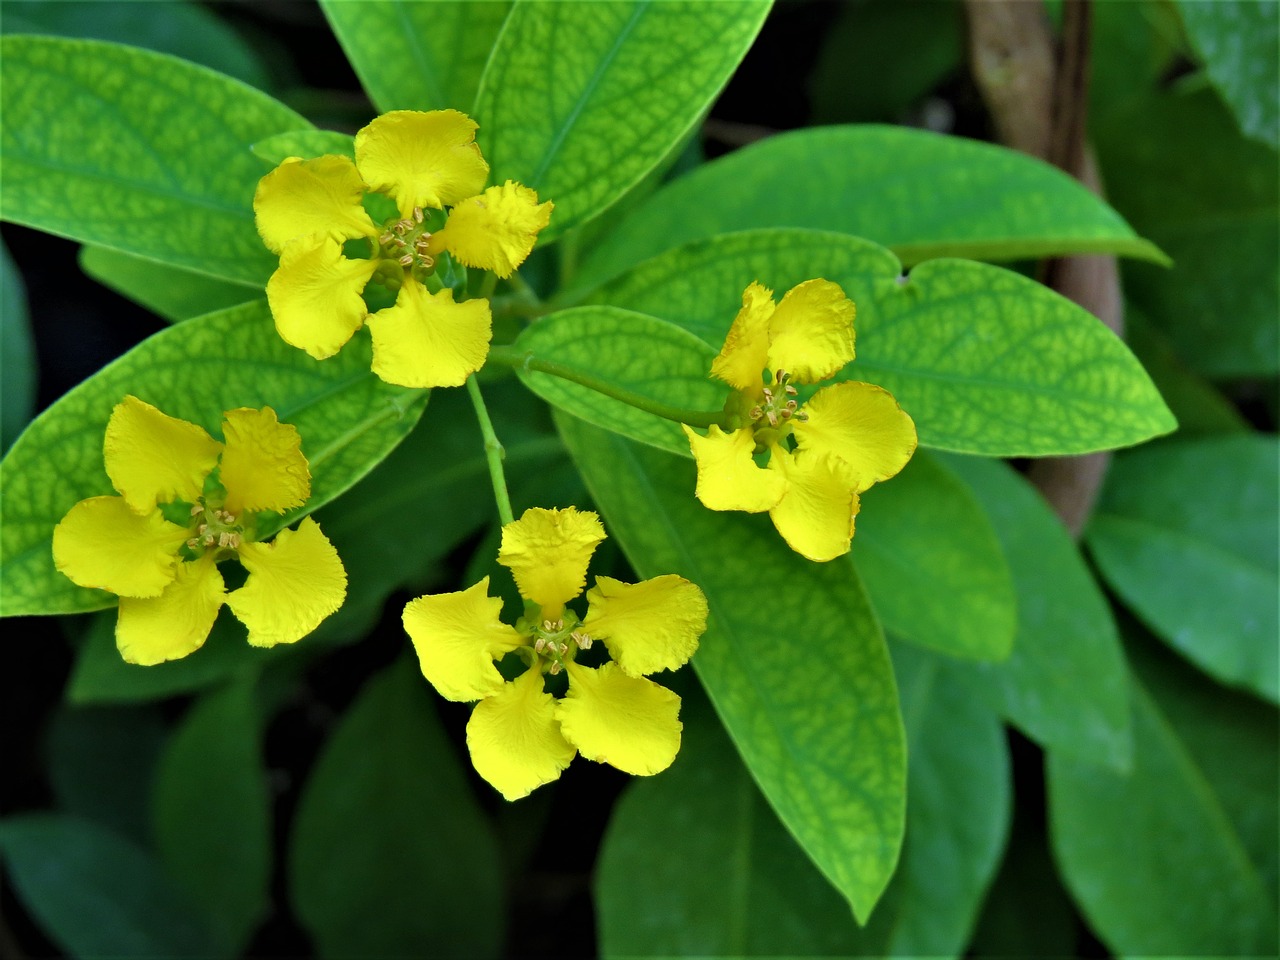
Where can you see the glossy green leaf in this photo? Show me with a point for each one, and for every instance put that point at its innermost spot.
(1066, 684)
(1185, 521)
(96, 894)
(169, 177)
(921, 194)
(1238, 40)
(17, 354)
(305, 144)
(932, 564)
(348, 418)
(654, 358)
(389, 855)
(816, 720)
(212, 811)
(1165, 837)
(412, 55)
(984, 360)
(549, 99)
(171, 292)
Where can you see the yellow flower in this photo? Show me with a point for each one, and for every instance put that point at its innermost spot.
(308, 210)
(520, 735)
(822, 453)
(186, 503)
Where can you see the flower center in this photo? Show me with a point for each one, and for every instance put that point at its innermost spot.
(557, 642)
(214, 527)
(407, 242)
(778, 402)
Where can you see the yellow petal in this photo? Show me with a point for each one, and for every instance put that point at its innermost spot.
(427, 340)
(728, 478)
(496, 230)
(628, 722)
(421, 159)
(860, 425)
(816, 515)
(262, 466)
(175, 623)
(514, 738)
(295, 581)
(811, 332)
(649, 626)
(458, 636)
(745, 353)
(102, 543)
(153, 458)
(315, 295)
(301, 197)
(548, 551)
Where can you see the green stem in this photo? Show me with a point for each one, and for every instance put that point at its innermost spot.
(487, 286)
(493, 453)
(522, 289)
(517, 360)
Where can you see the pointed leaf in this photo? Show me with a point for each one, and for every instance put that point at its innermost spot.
(171, 292)
(17, 354)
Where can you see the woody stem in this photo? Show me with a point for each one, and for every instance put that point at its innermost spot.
(493, 453)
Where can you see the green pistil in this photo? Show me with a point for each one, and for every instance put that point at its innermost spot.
(214, 528)
(557, 642)
(404, 243)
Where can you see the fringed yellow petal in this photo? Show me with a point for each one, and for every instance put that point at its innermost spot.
(315, 295)
(421, 159)
(628, 722)
(861, 426)
(262, 466)
(514, 739)
(728, 477)
(102, 543)
(649, 626)
(811, 332)
(175, 623)
(816, 515)
(295, 581)
(427, 340)
(301, 197)
(745, 353)
(458, 636)
(548, 551)
(153, 458)
(496, 230)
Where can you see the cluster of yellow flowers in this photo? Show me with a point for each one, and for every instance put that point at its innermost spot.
(546, 691)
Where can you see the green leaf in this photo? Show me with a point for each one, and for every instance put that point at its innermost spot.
(816, 719)
(656, 359)
(1155, 859)
(304, 143)
(17, 354)
(932, 564)
(921, 194)
(984, 360)
(212, 811)
(171, 292)
(1238, 40)
(1185, 521)
(1066, 684)
(170, 177)
(96, 894)
(390, 856)
(412, 55)
(549, 100)
(348, 418)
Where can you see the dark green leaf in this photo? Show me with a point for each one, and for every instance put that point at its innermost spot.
(171, 292)
(17, 354)
(305, 144)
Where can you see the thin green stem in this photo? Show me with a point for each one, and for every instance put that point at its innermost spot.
(487, 286)
(493, 453)
(518, 360)
(522, 289)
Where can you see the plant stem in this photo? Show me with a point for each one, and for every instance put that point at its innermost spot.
(493, 453)
(487, 286)
(522, 289)
(516, 360)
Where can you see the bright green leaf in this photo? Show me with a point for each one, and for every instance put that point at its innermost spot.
(17, 354)
(1183, 522)
(348, 418)
(412, 55)
(171, 292)
(212, 811)
(815, 720)
(921, 194)
(144, 153)
(305, 144)
(984, 360)
(932, 564)
(549, 100)
(390, 856)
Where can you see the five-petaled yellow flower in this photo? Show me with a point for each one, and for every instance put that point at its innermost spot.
(822, 453)
(307, 209)
(521, 736)
(165, 572)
